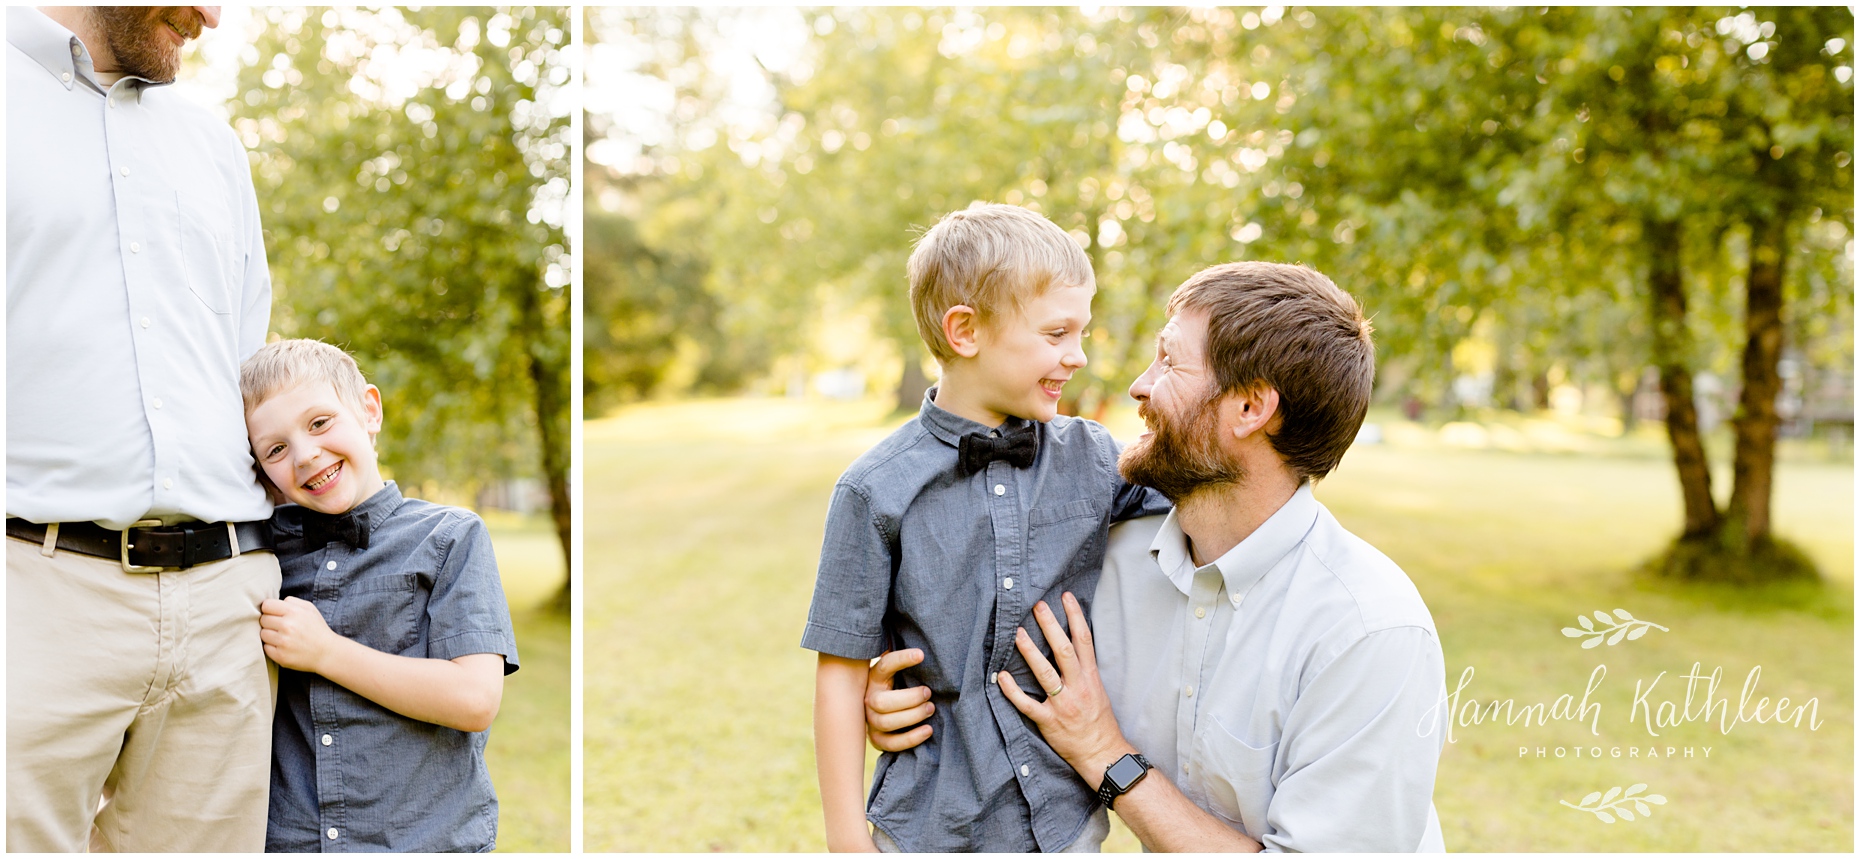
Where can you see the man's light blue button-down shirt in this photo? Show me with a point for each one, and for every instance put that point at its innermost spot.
(1287, 688)
(135, 286)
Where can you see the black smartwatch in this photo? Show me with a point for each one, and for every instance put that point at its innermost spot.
(1120, 777)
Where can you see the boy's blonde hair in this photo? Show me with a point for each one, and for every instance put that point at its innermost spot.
(989, 257)
(277, 366)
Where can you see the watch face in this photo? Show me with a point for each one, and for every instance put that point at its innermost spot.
(1125, 772)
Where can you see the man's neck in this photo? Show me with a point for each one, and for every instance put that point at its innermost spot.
(80, 21)
(1216, 519)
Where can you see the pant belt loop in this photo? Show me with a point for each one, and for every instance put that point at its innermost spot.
(50, 547)
(232, 536)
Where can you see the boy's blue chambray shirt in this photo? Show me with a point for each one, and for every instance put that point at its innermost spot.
(347, 774)
(918, 555)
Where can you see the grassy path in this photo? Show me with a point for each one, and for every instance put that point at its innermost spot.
(529, 750)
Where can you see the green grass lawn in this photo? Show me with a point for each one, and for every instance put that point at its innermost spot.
(704, 528)
(529, 750)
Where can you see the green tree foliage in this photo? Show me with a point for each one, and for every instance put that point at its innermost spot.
(411, 170)
(1589, 191)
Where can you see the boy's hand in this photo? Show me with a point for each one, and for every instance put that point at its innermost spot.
(295, 634)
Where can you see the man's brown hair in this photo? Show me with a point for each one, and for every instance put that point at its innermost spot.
(1289, 327)
(991, 257)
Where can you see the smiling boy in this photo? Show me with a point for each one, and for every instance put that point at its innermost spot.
(392, 632)
(945, 535)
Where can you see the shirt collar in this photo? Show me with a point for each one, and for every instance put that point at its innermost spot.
(56, 48)
(950, 427)
(1245, 564)
(379, 506)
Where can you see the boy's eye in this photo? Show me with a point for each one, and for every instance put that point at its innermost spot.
(273, 451)
(319, 423)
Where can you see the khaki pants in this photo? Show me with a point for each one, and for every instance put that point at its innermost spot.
(150, 689)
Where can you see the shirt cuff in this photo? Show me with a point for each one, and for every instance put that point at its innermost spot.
(846, 645)
(468, 643)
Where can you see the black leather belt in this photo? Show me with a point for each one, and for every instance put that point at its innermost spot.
(149, 546)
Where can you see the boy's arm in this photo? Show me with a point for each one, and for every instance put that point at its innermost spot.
(839, 751)
(462, 693)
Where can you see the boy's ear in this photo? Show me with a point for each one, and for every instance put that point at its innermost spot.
(961, 327)
(371, 410)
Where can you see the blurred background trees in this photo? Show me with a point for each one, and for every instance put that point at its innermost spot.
(412, 168)
(1611, 201)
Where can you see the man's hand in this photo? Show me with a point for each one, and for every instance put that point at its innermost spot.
(295, 634)
(1076, 718)
(888, 710)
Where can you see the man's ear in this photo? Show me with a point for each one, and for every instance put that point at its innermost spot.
(962, 328)
(1250, 411)
(371, 411)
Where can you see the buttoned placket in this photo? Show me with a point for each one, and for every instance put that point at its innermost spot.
(1010, 588)
(1198, 619)
(131, 189)
(325, 716)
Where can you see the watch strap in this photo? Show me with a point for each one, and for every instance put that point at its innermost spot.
(1109, 791)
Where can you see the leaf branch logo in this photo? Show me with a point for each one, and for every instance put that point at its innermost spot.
(1614, 629)
(1606, 806)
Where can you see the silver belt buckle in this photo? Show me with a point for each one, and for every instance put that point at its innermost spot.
(132, 568)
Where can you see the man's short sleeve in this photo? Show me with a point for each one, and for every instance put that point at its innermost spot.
(853, 587)
(1359, 754)
(466, 613)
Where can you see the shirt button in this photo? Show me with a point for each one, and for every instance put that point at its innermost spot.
(1236, 599)
(125, 171)
(168, 484)
(1184, 767)
(1189, 691)
(135, 247)
(1024, 771)
(1201, 612)
(332, 833)
(66, 77)
(331, 565)
(157, 402)
(327, 739)
(1008, 583)
(75, 50)
(1000, 490)
(145, 322)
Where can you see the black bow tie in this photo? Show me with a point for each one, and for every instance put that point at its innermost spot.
(1016, 447)
(321, 529)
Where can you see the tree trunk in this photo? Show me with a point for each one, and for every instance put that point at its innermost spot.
(1671, 353)
(911, 386)
(549, 374)
(1756, 421)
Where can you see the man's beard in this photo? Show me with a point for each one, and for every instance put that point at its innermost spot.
(1180, 457)
(138, 37)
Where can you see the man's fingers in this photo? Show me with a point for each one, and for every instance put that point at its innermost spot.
(896, 700)
(891, 663)
(1026, 705)
(1063, 652)
(1043, 672)
(899, 742)
(897, 720)
(1081, 632)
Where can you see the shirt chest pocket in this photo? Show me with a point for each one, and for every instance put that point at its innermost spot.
(1064, 541)
(384, 612)
(211, 260)
(1234, 775)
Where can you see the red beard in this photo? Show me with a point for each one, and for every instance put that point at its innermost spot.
(1180, 456)
(142, 41)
